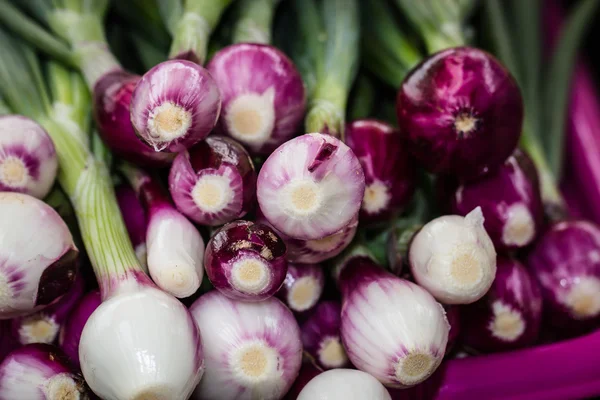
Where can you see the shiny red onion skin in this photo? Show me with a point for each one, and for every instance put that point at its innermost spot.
(385, 159)
(516, 288)
(111, 99)
(212, 156)
(454, 82)
(514, 182)
(232, 241)
(70, 333)
(567, 252)
(255, 68)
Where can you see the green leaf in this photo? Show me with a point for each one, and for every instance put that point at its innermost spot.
(502, 41)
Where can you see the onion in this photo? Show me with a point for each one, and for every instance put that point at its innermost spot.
(347, 384)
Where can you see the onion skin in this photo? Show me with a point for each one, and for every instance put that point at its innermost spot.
(215, 156)
(511, 193)
(387, 166)
(515, 294)
(410, 326)
(135, 218)
(70, 333)
(296, 279)
(310, 187)
(461, 112)
(184, 84)
(111, 100)
(260, 70)
(321, 325)
(566, 263)
(25, 140)
(245, 240)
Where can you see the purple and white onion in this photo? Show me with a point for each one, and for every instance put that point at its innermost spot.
(454, 258)
(347, 384)
(311, 187)
(391, 328)
(510, 200)
(566, 263)
(509, 315)
(321, 336)
(70, 332)
(28, 162)
(175, 105)
(213, 182)
(40, 372)
(38, 259)
(461, 112)
(302, 287)
(263, 95)
(246, 261)
(252, 350)
(390, 172)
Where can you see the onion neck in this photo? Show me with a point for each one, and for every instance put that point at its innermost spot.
(255, 21)
(326, 109)
(192, 32)
(147, 189)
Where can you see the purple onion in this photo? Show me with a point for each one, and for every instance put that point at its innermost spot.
(135, 218)
(28, 162)
(263, 95)
(112, 97)
(315, 250)
(8, 341)
(302, 287)
(246, 261)
(44, 326)
(566, 263)
(175, 105)
(70, 332)
(391, 328)
(509, 315)
(461, 112)
(321, 336)
(510, 200)
(38, 258)
(213, 182)
(311, 187)
(251, 350)
(388, 166)
(40, 371)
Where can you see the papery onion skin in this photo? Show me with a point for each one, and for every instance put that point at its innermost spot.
(461, 112)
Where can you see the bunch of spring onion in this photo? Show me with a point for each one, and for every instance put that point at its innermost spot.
(261, 155)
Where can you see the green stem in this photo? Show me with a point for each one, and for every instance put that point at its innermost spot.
(363, 98)
(148, 53)
(255, 21)
(28, 29)
(193, 30)
(4, 110)
(387, 52)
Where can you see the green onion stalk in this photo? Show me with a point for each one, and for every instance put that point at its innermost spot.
(135, 317)
(326, 51)
(254, 21)
(543, 134)
(440, 23)
(191, 23)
